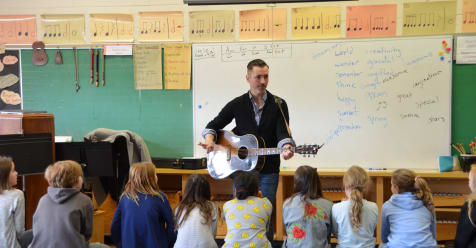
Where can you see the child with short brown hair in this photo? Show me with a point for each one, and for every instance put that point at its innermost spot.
(64, 216)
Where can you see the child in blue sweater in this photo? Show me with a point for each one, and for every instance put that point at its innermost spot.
(408, 218)
(143, 217)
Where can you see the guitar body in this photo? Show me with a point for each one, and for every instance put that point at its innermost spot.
(231, 153)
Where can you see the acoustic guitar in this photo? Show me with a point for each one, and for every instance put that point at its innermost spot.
(246, 153)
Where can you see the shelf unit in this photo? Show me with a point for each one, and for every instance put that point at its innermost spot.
(450, 190)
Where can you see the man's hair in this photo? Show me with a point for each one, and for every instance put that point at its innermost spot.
(256, 63)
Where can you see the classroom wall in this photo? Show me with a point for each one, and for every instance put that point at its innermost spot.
(134, 6)
(166, 142)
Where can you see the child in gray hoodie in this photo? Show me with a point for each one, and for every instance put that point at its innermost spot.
(64, 215)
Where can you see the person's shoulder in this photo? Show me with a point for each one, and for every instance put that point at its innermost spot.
(16, 193)
(324, 202)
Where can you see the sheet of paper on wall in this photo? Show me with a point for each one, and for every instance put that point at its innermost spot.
(147, 60)
(371, 20)
(111, 28)
(160, 26)
(263, 24)
(427, 18)
(316, 22)
(469, 16)
(466, 50)
(177, 66)
(18, 29)
(118, 50)
(212, 26)
(62, 29)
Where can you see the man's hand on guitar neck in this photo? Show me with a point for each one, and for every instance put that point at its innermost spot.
(287, 153)
(209, 142)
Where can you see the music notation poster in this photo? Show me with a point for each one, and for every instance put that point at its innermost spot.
(160, 26)
(62, 29)
(111, 28)
(316, 22)
(263, 24)
(429, 18)
(371, 20)
(147, 60)
(177, 66)
(469, 16)
(212, 25)
(17, 29)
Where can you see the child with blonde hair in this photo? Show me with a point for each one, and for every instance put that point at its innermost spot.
(196, 216)
(466, 231)
(354, 219)
(408, 218)
(64, 216)
(247, 215)
(306, 214)
(12, 205)
(143, 217)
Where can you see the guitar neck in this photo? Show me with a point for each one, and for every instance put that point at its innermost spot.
(268, 151)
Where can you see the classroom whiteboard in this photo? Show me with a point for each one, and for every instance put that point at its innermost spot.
(377, 103)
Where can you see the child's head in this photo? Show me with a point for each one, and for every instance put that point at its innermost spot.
(307, 183)
(64, 174)
(356, 182)
(196, 194)
(246, 184)
(197, 189)
(405, 180)
(8, 175)
(142, 179)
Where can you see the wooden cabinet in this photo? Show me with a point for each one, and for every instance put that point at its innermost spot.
(21, 123)
(449, 188)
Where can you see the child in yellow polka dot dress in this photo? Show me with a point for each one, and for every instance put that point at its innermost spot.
(247, 214)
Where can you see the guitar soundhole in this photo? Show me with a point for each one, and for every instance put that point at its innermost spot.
(242, 152)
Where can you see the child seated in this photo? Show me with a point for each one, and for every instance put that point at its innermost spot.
(408, 218)
(196, 216)
(64, 216)
(354, 219)
(247, 214)
(466, 231)
(12, 206)
(143, 217)
(306, 214)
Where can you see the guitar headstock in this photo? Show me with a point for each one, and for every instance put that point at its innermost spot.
(308, 149)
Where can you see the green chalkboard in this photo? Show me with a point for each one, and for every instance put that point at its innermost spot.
(162, 117)
(464, 104)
